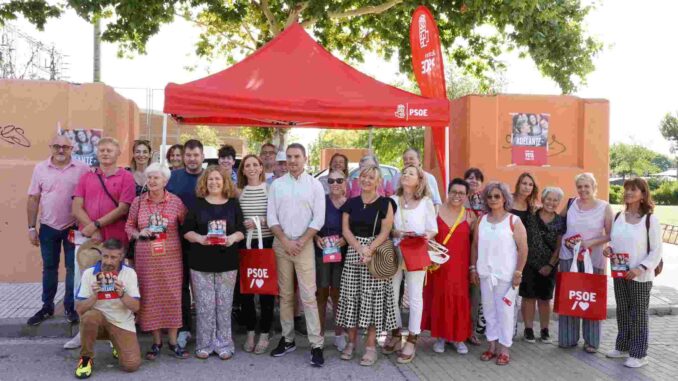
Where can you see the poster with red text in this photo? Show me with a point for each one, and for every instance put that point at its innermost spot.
(529, 138)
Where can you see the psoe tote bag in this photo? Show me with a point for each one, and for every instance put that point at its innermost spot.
(258, 271)
(582, 295)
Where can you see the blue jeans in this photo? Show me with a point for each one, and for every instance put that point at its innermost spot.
(51, 241)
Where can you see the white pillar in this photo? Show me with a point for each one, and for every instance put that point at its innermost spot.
(163, 146)
(446, 180)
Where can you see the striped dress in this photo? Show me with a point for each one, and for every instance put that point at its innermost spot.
(253, 201)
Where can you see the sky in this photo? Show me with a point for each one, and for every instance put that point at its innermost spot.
(637, 70)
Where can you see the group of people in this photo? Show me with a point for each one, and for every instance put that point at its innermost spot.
(168, 238)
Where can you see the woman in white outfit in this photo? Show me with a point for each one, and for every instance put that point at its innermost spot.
(498, 255)
(415, 216)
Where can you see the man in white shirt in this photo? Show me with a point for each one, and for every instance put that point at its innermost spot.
(296, 212)
(107, 299)
(411, 157)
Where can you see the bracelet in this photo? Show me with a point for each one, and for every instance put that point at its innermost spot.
(643, 266)
(550, 265)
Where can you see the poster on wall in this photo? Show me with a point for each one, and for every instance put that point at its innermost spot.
(84, 143)
(529, 138)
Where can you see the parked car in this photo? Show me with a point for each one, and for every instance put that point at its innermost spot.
(388, 173)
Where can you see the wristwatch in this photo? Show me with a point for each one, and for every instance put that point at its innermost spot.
(31, 227)
(97, 224)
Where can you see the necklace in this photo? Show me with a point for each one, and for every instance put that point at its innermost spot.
(365, 204)
(406, 202)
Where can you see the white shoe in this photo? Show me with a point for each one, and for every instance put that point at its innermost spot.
(462, 349)
(73, 343)
(439, 346)
(633, 362)
(182, 338)
(615, 354)
(340, 342)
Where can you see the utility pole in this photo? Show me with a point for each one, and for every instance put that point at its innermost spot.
(97, 50)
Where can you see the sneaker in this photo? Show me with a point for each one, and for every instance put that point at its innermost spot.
(340, 342)
(40, 316)
(300, 326)
(73, 343)
(84, 369)
(462, 349)
(544, 336)
(183, 338)
(529, 335)
(283, 348)
(72, 317)
(633, 362)
(439, 346)
(615, 354)
(317, 359)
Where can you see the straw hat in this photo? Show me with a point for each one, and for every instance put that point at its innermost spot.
(89, 254)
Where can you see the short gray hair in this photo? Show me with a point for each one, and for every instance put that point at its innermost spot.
(370, 157)
(559, 192)
(159, 168)
(505, 192)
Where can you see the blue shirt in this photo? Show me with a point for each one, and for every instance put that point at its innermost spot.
(182, 184)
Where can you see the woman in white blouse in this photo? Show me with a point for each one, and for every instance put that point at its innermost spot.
(631, 234)
(415, 216)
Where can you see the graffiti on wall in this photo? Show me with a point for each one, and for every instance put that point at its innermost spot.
(14, 135)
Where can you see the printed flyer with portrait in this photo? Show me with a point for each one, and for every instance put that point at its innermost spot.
(529, 138)
(84, 143)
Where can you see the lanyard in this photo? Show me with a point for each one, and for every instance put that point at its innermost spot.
(462, 212)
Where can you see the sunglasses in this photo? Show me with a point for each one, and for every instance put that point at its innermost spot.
(494, 196)
(57, 147)
(332, 181)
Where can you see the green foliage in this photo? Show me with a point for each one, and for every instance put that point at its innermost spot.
(667, 194)
(335, 139)
(474, 32)
(669, 129)
(631, 159)
(662, 162)
(207, 135)
(616, 194)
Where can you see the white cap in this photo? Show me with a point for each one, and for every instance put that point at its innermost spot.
(281, 156)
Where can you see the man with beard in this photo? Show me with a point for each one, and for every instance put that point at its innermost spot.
(112, 317)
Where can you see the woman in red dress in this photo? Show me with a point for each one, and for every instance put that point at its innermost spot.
(447, 309)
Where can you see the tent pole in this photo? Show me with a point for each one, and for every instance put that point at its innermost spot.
(447, 157)
(369, 140)
(163, 146)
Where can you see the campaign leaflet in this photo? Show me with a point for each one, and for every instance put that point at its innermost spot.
(216, 232)
(619, 264)
(574, 243)
(107, 285)
(331, 250)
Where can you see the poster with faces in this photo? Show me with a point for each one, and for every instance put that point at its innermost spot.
(529, 138)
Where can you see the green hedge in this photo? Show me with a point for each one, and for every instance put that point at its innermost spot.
(665, 193)
(616, 194)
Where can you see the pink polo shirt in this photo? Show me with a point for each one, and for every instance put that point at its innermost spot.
(97, 203)
(55, 187)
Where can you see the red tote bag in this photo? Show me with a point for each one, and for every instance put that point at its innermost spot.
(258, 271)
(582, 295)
(415, 253)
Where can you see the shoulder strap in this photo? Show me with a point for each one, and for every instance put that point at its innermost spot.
(569, 202)
(616, 216)
(511, 221)
(101, 180)
(647, 228)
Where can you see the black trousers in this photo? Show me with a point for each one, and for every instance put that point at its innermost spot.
(186, 316)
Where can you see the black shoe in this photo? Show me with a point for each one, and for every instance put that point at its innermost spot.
(72, 317)
(40, 316)
(317, 359)
(529, 335)
(283, 348)
(300, 326)
(545, 337)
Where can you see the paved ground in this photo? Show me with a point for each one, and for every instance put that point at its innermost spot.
(39, 358)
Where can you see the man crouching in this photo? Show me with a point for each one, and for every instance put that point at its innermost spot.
(106, 301)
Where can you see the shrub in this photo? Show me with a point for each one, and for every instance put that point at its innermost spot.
(666, 194)
(616, 194)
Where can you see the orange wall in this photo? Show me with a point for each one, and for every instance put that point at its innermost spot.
(354, 155)
(481, 124)
(37, 107)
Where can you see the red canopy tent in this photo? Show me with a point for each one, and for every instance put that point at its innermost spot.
(293, 81)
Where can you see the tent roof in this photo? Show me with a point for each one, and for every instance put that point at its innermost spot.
(292, 80)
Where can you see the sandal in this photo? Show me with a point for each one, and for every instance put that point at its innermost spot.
(225, 355)
(487, 356)
(202, 354)
(406, 359)
(347, 353)
(590, 349)
(394, 344)
(154, 352)
(262, 344)
(503, 359)
(178, 351)
(370, 356)
(249, 342)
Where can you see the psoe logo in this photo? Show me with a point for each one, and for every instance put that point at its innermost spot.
(582, 299)
(400, 111)
(423, 32)
(418, 112)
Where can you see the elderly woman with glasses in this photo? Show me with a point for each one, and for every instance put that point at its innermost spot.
(498, 255)
(153, 221)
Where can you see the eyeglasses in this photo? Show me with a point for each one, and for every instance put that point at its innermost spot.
(57, 147)
(494, 196)
(460, 194)
(332, 181)
(267, 153)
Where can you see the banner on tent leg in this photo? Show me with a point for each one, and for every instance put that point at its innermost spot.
(529, 138)
(427, 63)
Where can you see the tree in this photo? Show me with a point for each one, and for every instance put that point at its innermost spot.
(669, 129)
(631, 160)
(207, 135)
(551, 32)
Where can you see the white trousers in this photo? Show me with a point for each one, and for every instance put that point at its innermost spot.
(414, 281)
(500, 318)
